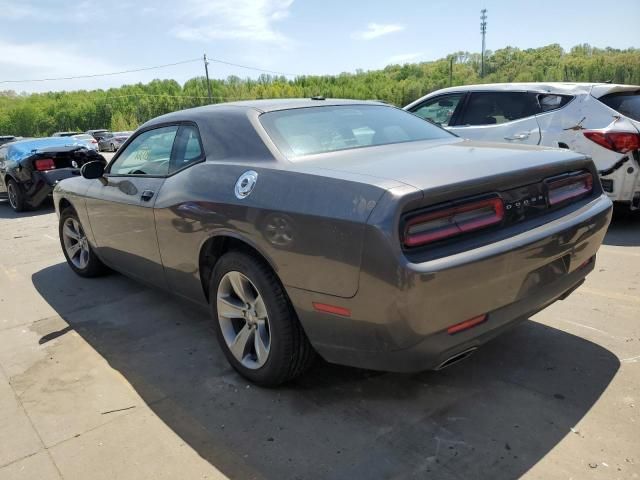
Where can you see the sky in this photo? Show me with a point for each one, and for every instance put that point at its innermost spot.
(54, 38)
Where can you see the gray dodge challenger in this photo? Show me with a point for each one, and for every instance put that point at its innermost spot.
(347, 229)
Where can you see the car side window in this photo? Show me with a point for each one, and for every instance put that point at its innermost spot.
(187, 149)
(550, 101)
(148, 154)
(439, 110)
(494, 108)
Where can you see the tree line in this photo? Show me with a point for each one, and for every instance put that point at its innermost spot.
(126, 107)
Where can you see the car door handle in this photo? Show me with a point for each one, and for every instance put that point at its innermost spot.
(147, 195)
(518, 136)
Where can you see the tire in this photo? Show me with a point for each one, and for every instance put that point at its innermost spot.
(16, 196)
(289, 352)
(113, 148)
(85, 263)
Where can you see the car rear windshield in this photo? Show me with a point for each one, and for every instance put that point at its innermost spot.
(626, 103)
(307, 131)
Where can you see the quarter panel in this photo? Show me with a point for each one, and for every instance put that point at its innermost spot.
(309, 227)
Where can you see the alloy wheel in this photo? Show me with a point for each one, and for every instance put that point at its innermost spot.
(76, 244)
(243, 320)
(13, 195)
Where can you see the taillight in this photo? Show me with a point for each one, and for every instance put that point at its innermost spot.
(44, 164)
(569, 187)
(621, 142)
(452, 221)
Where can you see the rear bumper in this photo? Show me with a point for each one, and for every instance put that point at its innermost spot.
(42, 184)
(402, 310)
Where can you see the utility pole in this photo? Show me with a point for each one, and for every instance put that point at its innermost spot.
(451, 71)
(483, 31)
(206, 71)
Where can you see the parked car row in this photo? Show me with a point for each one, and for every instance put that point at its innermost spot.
(100, 139)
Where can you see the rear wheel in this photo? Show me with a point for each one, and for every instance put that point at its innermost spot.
(16, 196)
(76, 248)
(256, 325)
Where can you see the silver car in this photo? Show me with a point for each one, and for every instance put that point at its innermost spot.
(112, 141)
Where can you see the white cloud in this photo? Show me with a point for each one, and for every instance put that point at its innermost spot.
(403, 58)
(375, 30)
(253, 20)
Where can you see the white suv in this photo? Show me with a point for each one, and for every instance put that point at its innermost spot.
(598, 119)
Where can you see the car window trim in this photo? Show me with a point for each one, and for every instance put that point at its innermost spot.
(146, 129)
(538, 94)
(200, 159)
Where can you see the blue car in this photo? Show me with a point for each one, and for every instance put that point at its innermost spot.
(29, 169)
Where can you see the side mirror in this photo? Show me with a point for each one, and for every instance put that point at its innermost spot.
(92, 170)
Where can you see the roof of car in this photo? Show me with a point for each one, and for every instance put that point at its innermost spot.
(269, 105)
(547, 87)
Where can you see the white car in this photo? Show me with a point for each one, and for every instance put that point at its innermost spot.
(92, 143)
(600, 120)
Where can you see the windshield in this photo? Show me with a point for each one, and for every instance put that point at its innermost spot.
(306, 131)
(626, 103)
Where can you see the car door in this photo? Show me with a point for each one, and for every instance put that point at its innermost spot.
(120, 206)
(499, 116)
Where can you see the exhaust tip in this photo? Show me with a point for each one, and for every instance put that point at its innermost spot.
(456, 358)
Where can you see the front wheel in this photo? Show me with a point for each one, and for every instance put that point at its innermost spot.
(76, 248)
(256, 325)
(16, 196)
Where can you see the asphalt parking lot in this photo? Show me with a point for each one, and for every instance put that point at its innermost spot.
(107, 379)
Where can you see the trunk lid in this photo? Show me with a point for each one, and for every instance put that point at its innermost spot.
(436, 167)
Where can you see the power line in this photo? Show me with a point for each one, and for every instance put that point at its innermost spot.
(285, 74)
(143, 69)
(101, 74)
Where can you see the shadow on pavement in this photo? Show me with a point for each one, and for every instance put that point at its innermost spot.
(493, 416)
(7, 212)
(624, 230)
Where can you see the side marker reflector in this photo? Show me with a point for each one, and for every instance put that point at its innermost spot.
(467, 324)
(334, 309)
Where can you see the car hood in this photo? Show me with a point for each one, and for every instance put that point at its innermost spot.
(429, 165)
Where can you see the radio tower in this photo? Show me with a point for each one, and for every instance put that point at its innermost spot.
(483, 31)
